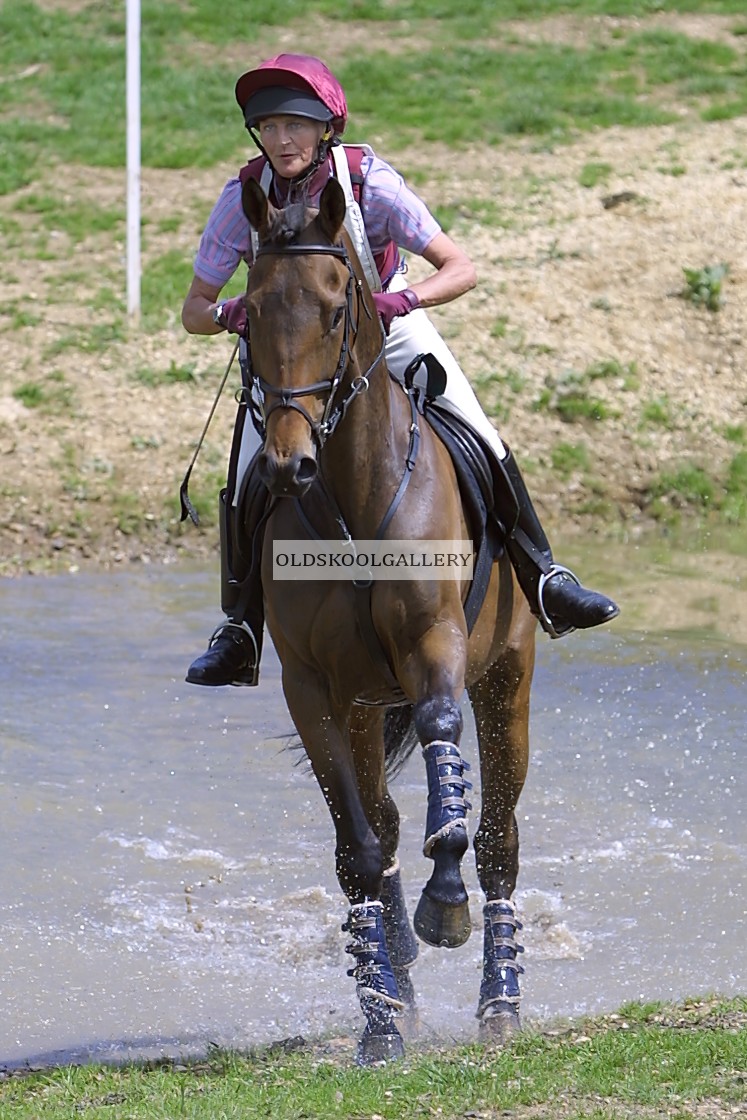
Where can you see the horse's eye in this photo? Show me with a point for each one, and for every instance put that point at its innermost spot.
(337, 318)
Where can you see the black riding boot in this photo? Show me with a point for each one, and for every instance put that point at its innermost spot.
(233, 654)
(554, 593)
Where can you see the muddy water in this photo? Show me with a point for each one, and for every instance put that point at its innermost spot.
(167, 870)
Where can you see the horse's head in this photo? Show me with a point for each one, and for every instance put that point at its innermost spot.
(301, 301)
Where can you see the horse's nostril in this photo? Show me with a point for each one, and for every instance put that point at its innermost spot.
(307, 471)
(262, 468)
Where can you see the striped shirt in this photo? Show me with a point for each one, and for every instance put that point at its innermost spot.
(391, 212)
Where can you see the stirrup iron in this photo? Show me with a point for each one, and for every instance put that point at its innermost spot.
(547, 624)
(252, 671)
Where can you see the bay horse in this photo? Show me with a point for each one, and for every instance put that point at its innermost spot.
(339, 459)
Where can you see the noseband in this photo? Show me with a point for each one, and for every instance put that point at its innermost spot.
(335, 408)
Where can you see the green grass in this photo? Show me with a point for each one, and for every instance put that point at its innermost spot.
(93, 338)
(50, 395)
(64, 97)
(658, 413)
(173, 375)
(704, 286)
(735, 433)
(75, 219)
(671, 1061)
(592, 174)
(569, 394)
(569, 458)
(735, 499)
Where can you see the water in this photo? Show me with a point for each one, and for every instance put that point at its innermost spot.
(168, 871)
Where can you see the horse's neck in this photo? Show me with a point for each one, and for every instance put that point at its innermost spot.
(365, 458)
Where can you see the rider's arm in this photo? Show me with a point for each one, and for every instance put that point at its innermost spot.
(225, 242)
(455, 273)
(197, 311)
(392, 211)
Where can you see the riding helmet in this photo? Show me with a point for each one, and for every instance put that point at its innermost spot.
(298, 84)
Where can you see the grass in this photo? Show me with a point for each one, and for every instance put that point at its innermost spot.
(592, 174)
(735, 499)
(63, 66)
(646, 1060)
(658, 413)
(569, 458)
(704, 286)
(173, 375)
(455, 73)
(691, 488)
(51, 395)
(687, 485)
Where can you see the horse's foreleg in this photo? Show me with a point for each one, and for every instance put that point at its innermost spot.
(367, 742)
(442, 915)
(358, 855)
(500, 702)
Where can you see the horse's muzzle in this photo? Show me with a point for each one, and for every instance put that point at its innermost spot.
(287, 478)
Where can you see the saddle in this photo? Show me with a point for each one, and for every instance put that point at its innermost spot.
(478, 476)
(473, 466)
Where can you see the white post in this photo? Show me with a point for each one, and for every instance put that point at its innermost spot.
(133, 159)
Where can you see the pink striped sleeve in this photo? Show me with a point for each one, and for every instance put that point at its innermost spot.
(392, 211)
(225, 241)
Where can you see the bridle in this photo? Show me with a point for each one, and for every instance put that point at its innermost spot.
(335, 407)
(334, 412)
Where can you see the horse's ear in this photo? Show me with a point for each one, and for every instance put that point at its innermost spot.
(332, 209)
(255, 205)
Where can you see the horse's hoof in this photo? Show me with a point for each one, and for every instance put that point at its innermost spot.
(499, 1024)
(443, 926)
(376, 1049)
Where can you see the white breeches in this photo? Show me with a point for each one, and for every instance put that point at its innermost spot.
(409, 336)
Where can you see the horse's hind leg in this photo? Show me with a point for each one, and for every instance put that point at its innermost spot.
(500, 701)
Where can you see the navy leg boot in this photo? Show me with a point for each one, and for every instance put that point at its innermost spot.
(376, 986)
(500, 995)
(442, 916)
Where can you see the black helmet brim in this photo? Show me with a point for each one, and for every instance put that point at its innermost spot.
(277, 100)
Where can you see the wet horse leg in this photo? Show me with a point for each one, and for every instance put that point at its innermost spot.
(367, 743)
(358, 853)
(500, 701)
(437, 678)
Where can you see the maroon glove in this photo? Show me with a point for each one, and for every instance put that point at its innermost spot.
(390, 305)
(231, 314)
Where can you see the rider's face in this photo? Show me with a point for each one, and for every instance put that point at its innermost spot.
(290, 142)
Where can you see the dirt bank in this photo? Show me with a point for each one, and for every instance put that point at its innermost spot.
(579, 301)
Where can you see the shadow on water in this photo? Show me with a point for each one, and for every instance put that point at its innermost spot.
(168, 872)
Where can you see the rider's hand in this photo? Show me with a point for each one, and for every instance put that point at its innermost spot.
(391, 305)
(231, 314)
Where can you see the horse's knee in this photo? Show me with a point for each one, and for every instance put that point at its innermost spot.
(438, 717)
(360, 868)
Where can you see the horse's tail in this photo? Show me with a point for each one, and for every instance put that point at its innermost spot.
(400, 738)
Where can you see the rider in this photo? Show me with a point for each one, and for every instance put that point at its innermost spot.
(295, 111)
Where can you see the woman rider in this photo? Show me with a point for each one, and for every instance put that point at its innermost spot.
(295, 111)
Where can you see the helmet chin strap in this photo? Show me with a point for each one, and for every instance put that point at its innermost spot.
(299, 181)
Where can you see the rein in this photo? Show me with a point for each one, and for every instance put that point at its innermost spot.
(334, 410)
